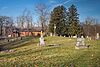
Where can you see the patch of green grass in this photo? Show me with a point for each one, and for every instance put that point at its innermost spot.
(63, 55)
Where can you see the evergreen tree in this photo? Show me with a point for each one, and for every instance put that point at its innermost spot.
(73, 21)
(58, 19)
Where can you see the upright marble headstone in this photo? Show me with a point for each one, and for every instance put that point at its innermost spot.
(97, 36)
(75, 36)
(83, 40)
(78, 43)
(51, 34)
(42, 43)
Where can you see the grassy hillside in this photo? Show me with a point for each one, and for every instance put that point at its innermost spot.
(63, 54)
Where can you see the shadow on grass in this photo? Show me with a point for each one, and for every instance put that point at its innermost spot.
(27, 52)
(14, 44)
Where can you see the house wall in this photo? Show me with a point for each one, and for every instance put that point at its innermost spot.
(36, 33)
(29, 33)
(25, 33)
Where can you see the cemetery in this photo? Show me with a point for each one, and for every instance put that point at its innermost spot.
(64, 54)
(49, 33)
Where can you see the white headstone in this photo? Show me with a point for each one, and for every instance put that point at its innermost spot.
(9, 35)
(97, 36)
(42, 41)
(78, 43)
(87, 36)
(74, 36)
(83, 43)
(50, 34)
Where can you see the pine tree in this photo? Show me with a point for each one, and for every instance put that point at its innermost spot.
(73, 21)
(58, 19)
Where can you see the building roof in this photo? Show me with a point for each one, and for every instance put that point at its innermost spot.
(34, 29)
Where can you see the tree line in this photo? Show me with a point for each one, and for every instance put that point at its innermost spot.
(65, 22)
(8, 25)
(61, 21)
(25, 21)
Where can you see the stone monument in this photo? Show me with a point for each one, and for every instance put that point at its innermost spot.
(42, 43)
(97, 36)
(80, 43)
(83, 40)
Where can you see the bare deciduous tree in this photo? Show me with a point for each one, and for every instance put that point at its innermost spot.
(6, 25)
(90, 27)
(42, 11)
(25, 21)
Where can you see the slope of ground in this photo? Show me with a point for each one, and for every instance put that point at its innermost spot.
(62, 54)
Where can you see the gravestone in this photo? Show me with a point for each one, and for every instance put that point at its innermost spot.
(83, 40)
(51, 34)
(80, 43)
(89, 38)
(75, 36)
(42, 43)
(9, 36)
(97, 36)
